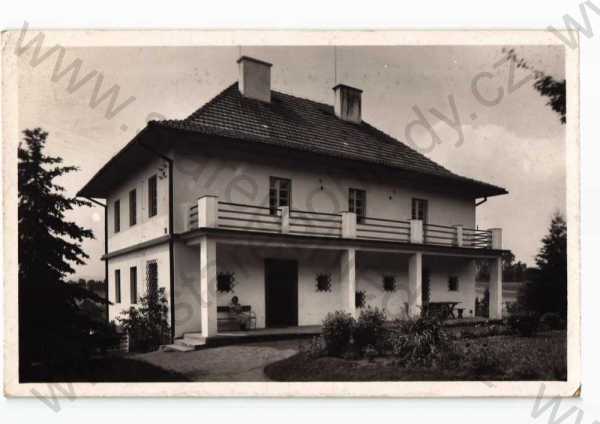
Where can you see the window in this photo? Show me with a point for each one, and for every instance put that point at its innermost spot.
(152, 279)
(419, 209)
(117, 212)
(117, 286)
(453, 283)
(132, 208)
(280, 193)
(133, 285)
(357, 203)
(152, 197)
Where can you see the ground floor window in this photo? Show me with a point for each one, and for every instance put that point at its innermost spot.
(117, 286)
(152, 278)
(133, 284)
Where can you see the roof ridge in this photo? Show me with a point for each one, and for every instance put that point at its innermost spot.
(307, 124)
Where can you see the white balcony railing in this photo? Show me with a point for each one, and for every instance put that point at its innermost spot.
(210, 212)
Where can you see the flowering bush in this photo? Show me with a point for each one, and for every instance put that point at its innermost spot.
(419, 341)
(148, 324)
(338, 328)
(370, 329)
(523, 323)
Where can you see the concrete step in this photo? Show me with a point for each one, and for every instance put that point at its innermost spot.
(191, 342)
(177, 348)
(193, 336)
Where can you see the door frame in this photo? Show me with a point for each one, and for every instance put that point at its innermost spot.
(295, 305)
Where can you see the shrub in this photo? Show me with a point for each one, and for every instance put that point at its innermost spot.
(314, 349)
(338, 328)
(370, 353)
(481, 360)
(360, 298)
(106, 338)
(551, 321)
(148, 324)
(523, 323)
(370, 329)
(419, 341)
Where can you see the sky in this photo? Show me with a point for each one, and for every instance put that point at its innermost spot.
(461, 106)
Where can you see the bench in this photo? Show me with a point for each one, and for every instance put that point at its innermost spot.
(228, 322)
(442, 310)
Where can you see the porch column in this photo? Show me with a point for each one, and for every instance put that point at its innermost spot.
(348, 280)
(415, 272)
(208, 286)
(495, 288)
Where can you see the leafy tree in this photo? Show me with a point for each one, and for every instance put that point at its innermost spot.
(511, 270)
(52, 327)
(148, 323)
(547, 290)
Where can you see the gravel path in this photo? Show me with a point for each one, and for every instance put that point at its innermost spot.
(243, 362)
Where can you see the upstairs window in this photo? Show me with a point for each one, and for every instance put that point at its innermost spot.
(132, 208)
(117, 286)
(117, 212)
(152, 197)
(419, 209)
(133, 284)
(280, 193)
(357, 203)
(152, 280)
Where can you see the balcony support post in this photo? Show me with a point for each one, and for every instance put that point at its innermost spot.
(415, 275)
(208, 286)
(495, 288)
(348, 280)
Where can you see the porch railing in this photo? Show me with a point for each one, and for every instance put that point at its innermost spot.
(248, 217)
(210, 212)
(315, 223)
(382, 229)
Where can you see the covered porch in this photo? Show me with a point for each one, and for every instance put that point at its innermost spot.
(390, 276)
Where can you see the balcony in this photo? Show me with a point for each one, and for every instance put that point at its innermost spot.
(209, 212)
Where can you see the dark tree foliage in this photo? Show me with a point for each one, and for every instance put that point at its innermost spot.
(52, 327)
(511, 270)
(555, 90)
(547, 289)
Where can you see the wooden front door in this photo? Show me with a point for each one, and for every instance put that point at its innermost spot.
(281, 292)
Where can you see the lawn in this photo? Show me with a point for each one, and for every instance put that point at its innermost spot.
(539, 358)
(116, 368)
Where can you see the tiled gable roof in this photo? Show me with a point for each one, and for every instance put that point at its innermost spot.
(307, 125)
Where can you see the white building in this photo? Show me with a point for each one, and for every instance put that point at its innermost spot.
(278, 190)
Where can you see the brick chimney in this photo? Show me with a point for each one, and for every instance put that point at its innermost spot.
(348, 103)
(255, 79)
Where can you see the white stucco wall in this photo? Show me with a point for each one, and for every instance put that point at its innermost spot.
(371, 268)
(138, 259)
(146, 228)
(245, 179)
(248, 266)
(247, 263)
(441, 268)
